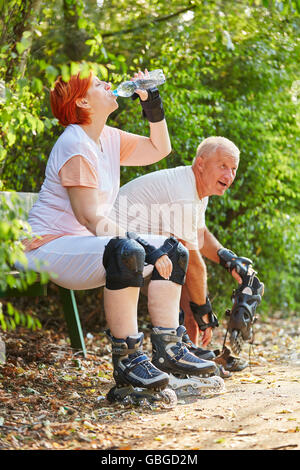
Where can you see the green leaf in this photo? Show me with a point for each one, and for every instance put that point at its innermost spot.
(51, 73)
(23, 45)
(65, 72)
(103, 71)
(82, 23)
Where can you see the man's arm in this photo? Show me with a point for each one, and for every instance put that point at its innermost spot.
(210, 246)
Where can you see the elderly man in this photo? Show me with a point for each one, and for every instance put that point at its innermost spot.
(173, 202)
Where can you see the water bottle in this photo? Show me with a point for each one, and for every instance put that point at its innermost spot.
(126, 89)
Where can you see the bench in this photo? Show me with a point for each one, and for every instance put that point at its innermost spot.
(67, 296)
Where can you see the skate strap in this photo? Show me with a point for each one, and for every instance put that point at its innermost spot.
(171, 338)
(123, 351)
(251, 285)
(141, 358)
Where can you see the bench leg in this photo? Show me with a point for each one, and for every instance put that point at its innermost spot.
(72, 318)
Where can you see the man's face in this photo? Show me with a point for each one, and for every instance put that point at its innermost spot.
(217, 172)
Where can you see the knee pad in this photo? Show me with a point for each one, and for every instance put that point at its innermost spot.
(179, 255)
(123, 260)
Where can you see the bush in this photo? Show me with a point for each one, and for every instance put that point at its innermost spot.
(12, 229)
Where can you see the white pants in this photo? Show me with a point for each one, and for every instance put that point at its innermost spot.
(75, 262)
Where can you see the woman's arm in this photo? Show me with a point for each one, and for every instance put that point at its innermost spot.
(85, 205)
(150, 149)
(154, 148)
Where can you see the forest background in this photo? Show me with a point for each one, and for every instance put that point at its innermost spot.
(232, 69)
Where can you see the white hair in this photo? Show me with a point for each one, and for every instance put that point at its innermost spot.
(210, 145)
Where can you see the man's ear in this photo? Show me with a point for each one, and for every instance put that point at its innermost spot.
(199, 164)
(82, 103)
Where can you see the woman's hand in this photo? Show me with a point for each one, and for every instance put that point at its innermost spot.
(164, 266)
(143, 94)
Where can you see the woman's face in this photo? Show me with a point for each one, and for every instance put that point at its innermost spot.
(100, 98)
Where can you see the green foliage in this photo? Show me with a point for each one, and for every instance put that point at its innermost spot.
(10, 317)
(12, 228)
(232, 69)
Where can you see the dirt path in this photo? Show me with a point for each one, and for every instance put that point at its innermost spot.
(51, 399)
(259, 410)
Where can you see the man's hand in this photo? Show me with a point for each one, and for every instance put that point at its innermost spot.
(236, 276)
(205, 318)
(237, 266)
(207, 334)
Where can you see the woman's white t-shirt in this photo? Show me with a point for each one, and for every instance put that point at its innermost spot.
(76, 160)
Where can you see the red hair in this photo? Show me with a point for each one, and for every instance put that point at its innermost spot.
(63, 100)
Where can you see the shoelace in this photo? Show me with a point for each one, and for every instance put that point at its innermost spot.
(181, 351)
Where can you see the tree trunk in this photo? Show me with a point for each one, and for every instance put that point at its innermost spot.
(24, 20)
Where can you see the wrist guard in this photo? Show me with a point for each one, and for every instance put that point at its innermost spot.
(230, 261)
(200, 310)
(152, 108)
(152, 253)
(179, 256)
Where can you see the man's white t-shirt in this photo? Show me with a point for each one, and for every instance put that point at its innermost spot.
(163, 202)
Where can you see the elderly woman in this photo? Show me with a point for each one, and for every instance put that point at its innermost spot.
(86, 249)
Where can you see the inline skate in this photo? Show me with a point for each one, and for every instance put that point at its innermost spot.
(188, 374)
(138, 381)
(245, 300)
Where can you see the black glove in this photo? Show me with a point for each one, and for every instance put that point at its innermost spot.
(200, 310)
(152, 108)
(230, 261)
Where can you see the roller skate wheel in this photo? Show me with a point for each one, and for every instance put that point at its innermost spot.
(112, 396)
(219, 383)
(169, 397)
